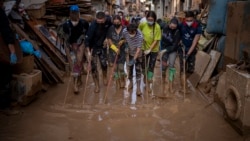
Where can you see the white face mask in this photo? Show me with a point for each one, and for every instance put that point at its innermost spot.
(189, 23)
(74, 23)
(150, 23)
(131, 35)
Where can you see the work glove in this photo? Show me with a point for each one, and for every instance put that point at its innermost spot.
(121, 42)
(146, 52)
(131, 62)
(114, 48)
(13, 58)
(38, 54)
(162, 52)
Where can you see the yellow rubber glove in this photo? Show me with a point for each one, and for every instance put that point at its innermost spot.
(114, 48)
(121, 42)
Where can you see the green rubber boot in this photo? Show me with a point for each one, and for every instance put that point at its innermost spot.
(171, 74)
(150, 76)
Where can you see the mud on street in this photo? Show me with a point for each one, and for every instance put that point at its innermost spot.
(124, 116)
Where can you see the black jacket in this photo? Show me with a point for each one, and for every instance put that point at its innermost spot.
(75, 32)
(5, 30)
(97, 34)
(170, 39)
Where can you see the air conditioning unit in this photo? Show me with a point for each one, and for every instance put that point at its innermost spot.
(237, 99)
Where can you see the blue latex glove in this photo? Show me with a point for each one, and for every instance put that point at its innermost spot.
(131, 62)
(38, 54)
(13, 58)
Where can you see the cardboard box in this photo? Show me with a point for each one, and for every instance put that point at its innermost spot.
(26, 85)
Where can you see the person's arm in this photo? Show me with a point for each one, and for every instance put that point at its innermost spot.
(89, 35)
(196, 39)
(138, 50)
(153, 45)
(177, 38)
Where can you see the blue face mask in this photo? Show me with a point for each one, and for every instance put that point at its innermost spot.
(150, 23)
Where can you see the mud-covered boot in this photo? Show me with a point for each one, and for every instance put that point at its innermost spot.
(150, 76)
(171, 77)
(79, 81)
(105, 80)
(170, 88)
(96, 81)
(122, 82)
(117, 81)
(183, 82)
(164, 82)
(76, 89)
(130, 86)
(138, 87)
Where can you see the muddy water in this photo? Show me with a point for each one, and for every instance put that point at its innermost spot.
(60, 115)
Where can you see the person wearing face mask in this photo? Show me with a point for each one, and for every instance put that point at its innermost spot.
(152, 35)
(169, 45)
(117, 48)
(76, 28)
(190, 34)
(134, 39)
(94, 40)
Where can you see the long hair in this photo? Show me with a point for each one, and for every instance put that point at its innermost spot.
(152, 14)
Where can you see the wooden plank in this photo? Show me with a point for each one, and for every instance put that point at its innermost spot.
(215, 57)
(201, 63)
(59, 61)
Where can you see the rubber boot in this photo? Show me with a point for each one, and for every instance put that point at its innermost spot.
(96, 81)
(171, 76)
(105, 80)
(170, 88)
(138, 87)
(150, 76)
(183, 81)
(76, 89)
(164, 82)
(122, 82)
(79, 81)
(130, 86)
(117, 80)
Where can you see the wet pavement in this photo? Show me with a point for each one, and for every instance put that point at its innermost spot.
(60, 115)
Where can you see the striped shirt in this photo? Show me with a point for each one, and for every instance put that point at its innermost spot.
(133, 42)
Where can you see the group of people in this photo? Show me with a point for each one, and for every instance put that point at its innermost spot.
(144, 42)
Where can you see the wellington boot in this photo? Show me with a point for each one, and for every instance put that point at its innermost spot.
(96, 81)
(84, 71)
(76, 89)
(170, 88)
(183, 81)
(163, 83)
(105, 80)
(148, 87)
(79, 81)
(138, 87)
(122, 82)
(130, 86)
(118, 84)
(150, 76)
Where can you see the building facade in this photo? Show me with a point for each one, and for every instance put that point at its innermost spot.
(171, 7)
